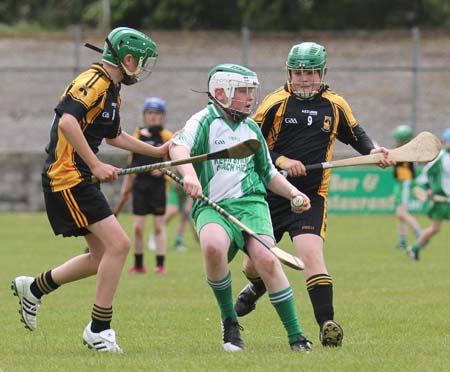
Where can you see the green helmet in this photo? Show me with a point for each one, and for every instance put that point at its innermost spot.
(229, 77)
(403, 133)
(122, 41)
(306, 56)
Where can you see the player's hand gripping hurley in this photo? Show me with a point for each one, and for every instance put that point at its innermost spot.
(284, 257)
(423, 148)
(239, 151)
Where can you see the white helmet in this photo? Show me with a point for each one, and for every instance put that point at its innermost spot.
(229, 77)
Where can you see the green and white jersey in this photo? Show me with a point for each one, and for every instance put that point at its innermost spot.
(437, 174)
(209, 131)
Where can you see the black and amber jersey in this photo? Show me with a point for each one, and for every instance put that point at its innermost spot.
(154, 138)
(306, 130)
(94, 100)
(404, 171)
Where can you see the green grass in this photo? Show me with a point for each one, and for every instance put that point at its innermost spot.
(395, 313)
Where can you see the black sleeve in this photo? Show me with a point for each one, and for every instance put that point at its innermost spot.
(357, 138)
(72, 107)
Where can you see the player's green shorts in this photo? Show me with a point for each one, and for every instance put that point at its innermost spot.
(402, 192)
(439, 211)
(176, 196)
(252, 211)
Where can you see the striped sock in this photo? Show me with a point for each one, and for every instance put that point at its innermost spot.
(320, 290)
(101, 318)
(284, 304)
(224, 296)
(43, 284)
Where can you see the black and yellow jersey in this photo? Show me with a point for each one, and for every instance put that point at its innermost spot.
(404, 171)
(155, 138)
(94, 100)
(306, 130)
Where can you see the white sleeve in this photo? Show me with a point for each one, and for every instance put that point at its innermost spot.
(187, 137)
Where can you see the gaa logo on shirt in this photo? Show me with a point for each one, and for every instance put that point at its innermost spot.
(219, 142)
(290, 121)
(326, 124)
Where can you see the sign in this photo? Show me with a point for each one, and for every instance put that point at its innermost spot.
(364, 190)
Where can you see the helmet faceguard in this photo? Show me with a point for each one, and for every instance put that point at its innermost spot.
(122, 41)
(232, 79)
(403, 133)
(307, 59)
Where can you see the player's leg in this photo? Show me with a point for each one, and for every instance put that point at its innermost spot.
(404, 218)
(280, 292)
(181, 226)
(309, 248)
(215, 241)
(30, 290)
(421, 242)
(407, 220)
(252, 292)
(159, 227)
(438, 212)
(401, 211)
(188, 215)
(115, 245)
(138, 240)
(82, 210)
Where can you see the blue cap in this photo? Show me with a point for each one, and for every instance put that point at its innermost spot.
(446, 135)
(155, 104)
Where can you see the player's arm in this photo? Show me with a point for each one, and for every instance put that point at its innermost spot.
(191, 184)
(71, 130)
(273, 180)
(281, 186)
(127, 142)
(265, 121)
(350, 133)
(186, 143)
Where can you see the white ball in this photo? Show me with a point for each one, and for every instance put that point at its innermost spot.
(297, 202)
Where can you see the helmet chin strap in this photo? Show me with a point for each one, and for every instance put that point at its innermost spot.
(237, 116)
(126, 79)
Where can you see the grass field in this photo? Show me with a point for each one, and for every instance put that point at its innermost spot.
(395, 313)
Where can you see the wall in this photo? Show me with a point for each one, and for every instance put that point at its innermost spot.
(20, 186)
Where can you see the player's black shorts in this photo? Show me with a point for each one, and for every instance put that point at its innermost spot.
(71, 211)
(284, 220)
(149, 199)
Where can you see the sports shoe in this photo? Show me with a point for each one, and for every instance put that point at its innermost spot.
(412, 254)
(137, 270)
(160, 270)
(104, 341)
(331, 334)
(231, 335)
(151, 242)
(246, 299)
(29, 304)
(302, 344)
